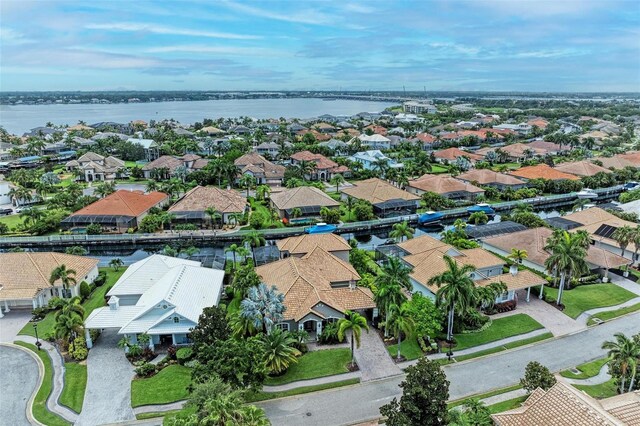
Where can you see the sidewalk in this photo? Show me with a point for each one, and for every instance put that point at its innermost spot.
(602, 377)
(584, 317)
(313, 382)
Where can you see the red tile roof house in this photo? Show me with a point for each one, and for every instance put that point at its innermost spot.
(429, 142)
(542, 171)
(263, 170)
(117, 212)
(521, 151)
(450, 155)
(325, 168)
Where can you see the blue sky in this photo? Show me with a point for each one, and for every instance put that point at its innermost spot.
(559, 45)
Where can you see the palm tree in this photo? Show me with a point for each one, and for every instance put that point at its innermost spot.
(486, 296)
(400, 321)
(636, 242)
(522, 208)
(31, 216)
(456, 290)
(214, 215)
(337, 180)
(306, 168)
(567, 258)
(228, 409)
(255, 239)
(356, 323)
(66, 277)
(401, 231)
(116, 263)
(262, 192)
(233, 249)
(247, 181)
(518, 256)
(280, 352)
(20, 195)
(264, 306)
(69, 319)
(152, 185)
(349, 203)
(478, 218)
(625, 352)
(235, 217)
(390, 283)
(296, 212)
(623, 236)
(105, 188)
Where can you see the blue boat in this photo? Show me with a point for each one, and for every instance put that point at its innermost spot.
(482, 207)
(321, 228)
(430, 218)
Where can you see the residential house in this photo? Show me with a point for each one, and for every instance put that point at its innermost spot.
(371, 160)
(191, 208)
(406, 118)
(549, 147)
(325, 168)
(416, 107)
(168, 166)
(95, 167)
(301, 245)
(335, 145)
(377, 130)
(24, 278)
(240, 130)
(387, 200)
(521, 152)
(539, 122)
(444, 185)
(581, 168)
(265, 172)
(541, 171)
(318, 289)
(425, 256)
(534, 241)
(211, 131)
(271, 149)
(308, 199)
(429, 142)
(151, 148)
(324, 127)
(487, 177)
(521, 128)
(450, 155)
(117, 212)
(160, 296)
(374, 141)
(564, 405)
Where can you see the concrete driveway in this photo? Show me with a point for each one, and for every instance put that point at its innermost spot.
(18, 380)
(12, 322)
(109, 373)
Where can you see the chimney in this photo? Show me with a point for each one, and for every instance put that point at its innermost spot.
(513, 269)
(114, 303)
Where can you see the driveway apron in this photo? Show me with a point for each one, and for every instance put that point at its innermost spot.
(373, 358)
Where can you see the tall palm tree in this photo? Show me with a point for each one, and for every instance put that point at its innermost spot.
(486, 296)
(254, 239)
(401, 231)
(247, 181)
(31, 216)
(518, 256)
(567, 258)
(66, 277)
(636, 242)
(390, 283)
(400, 321)
(280, 352)
(356, 323)
(262, 192)
(235, 217)
(214, 215)
(116, 263)
(623, 236)
(626, 352)
(456, 290)
(69, 319)
(349, 203)
(233, 249)
(306, 169)
(337, 180)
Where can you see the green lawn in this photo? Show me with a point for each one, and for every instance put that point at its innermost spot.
(11, 221)
(603, 390)
(436, 168)
(501, 328)
(607, 315)
(586, 297)
(257, 206)
(40, 411)
(313, 365)
(587, 370)
(507, 405)
(96, 300)
(75, 383)
(409, 348)
(169, 385)
(485, 395)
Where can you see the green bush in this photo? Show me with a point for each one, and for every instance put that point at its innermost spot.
(146, 370)
(184, 354)
(94, 229)
(78, 350)
(101, 279)
(329, 333)
(85, 290)
(39, 313)
(56, 303)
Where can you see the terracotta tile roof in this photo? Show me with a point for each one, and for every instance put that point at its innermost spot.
(542, 171)
(426, 138)
(443, 184)
(377, 191)
(625, 407)
(581, 168)
(322, 162)
(379, 130)
(423, 243)
(306, 281)
(259, 165)
(615, 162)
(251, 158)
(167, 161)
(23, 275)
(452, 153)
(302, 196)
(487, 177)
(202, 197)
(303, 244)
(123, 203)
(595, 217)
(562, 405)
(539, 122)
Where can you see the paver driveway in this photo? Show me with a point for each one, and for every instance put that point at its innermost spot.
(108, 395)
(373, 358)
(18, 379)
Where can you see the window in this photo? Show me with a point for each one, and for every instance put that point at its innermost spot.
(176, 319)
(283, 326)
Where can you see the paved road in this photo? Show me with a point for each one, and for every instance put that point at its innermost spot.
(18, 379)
(108, 395)
(361, 402)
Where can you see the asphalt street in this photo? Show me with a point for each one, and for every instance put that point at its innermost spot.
(18, 379)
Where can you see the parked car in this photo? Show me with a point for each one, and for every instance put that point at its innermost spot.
(5, 212)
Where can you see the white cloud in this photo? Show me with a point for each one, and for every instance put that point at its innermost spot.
(159, 29)
(9, 36)
(221, 50)
(312, 17)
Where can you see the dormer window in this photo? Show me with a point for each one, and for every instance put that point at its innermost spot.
(176, 320)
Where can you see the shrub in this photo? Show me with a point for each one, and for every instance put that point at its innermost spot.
(39, 313)
(78, 350)
(94, 229)
(504, 306)
(192, 364)
(101, 279)
(85, 290)
(329, 334)
(171, 352)
(95, 334)
(184, 354)
(536, 376)
(146, 369)
(134, 351)
(56, 303)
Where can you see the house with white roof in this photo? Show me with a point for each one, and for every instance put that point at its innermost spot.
(369, 159)
(151, 148)
(375, 141)
(160, 296)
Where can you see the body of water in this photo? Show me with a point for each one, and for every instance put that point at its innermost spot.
(18, 119)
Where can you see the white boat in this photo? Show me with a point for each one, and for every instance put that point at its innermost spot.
(587, 193)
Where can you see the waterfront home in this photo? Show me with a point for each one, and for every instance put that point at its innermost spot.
(371, 160)
(450, 155)
(160, 296)
(542, 171)
(151, 148)
(191, 208)
(534, 240)
(265, 172)
(487, 177)
(318, 289)
(96, 168)
(374, 141)
(117, 212)
(581, 168)
(387, 200)
(521, 152)
(324, 169)
(301, 245)
(168, 166)
(271, 149)
(444, 185)
(301, 204)
(24, 278)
